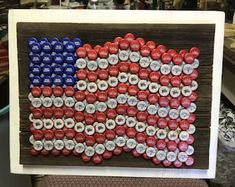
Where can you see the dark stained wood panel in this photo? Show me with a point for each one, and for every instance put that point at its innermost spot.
(177, 36)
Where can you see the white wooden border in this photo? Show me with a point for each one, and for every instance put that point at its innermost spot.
(114, 16)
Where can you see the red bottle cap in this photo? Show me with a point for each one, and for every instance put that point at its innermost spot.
(80, 137)
(81, 52)
(190, 161)
(123, 44)
(107, 155)
(48, 134)
(47, 91)
(156, 161)
(90, 98)
(117, 151)
(156, 54)
(152, 119)
(141, 137)
(97, 159)
(144, 73)
(112, 92)
(113, 48)
(171, 145)
(59, 134)
(142, 116)
(143, 95)
(122, 88)
(131, 132)
(188, 58)
(163, 101)
(121, 109)
(134, 68)
(133, 90)
(37, 113)
(90, 140)
(162, 123)
(135, 153)
(166, 163)
(186, 80)
(193, 96)
(166, 58)
(92, 54)
(129, 36)
(44, 152)
(103, 52)
(190, 140)
(177, 59)
(58, 112)
(55, 152)
(161, 144)
(151, 44)
(161, 48)
(134, 45)
(172, 52)
(107, 44)
(173, 124)
(185, 102)
(151, 141)
(152, 98)
(99, 138)
(36, 91)
(70, 133)
(132, 111)
(81, 74)
(154, 76)
(89, 119)
(123, 66)
(92, 76)
(177, 164)
(194, 74)
(120, 130)
(110, 134)
(97, 48)
(69, 91)
(164, 80)
(80, 96)
(117, 40)
(101, 96)
(191, 118)
(79, 116)
(37, 134)
(183, 146)
(182, 52)
(195, 51)
(85, 158)
(113, 70)
(174, 103)
(141, 41)
(145, 51)
(103, 74)
(100, 117)
(111, 113)
(175, 81)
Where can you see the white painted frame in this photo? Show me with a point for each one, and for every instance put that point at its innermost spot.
(114, 16)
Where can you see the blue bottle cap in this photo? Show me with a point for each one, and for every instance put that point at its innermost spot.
(70, 58)
(58, 80)
(70, 47)
(58, 58)
(54, 40)
(69, 80)
(53, 54)
(46, 47)
(30, 64)
(31, 76)
(58, 47)
(42, 40)
(46, 59)
(36, 58)
(58, 70)
(32, 40)
(36, 70)
(36, 81)
(47, 70)
(30, 54)
(77, 42)
(35, 47)
(47, 81)
(65, 40)
(69, 69)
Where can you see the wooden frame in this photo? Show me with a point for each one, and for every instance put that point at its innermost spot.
(118, 17)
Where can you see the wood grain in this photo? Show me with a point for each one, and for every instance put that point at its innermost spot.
(177, 36)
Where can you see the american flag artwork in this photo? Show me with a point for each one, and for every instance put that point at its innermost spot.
(127, 96)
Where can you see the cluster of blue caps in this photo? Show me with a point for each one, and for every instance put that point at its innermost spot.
(52, 62)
